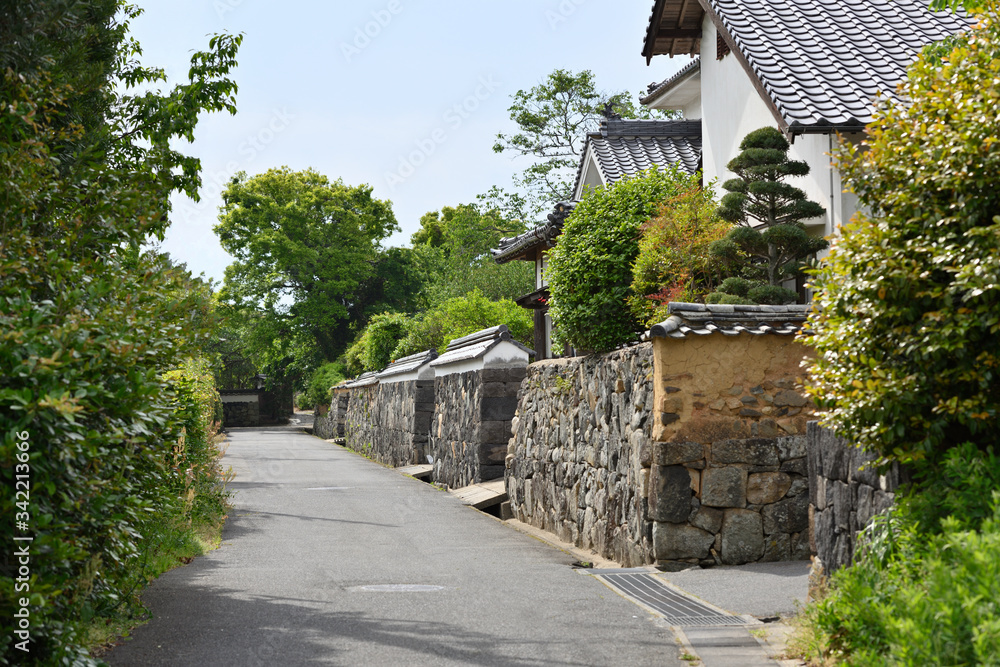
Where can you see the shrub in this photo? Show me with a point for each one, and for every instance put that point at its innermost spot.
(908, 302)
(462, 316)
(925, 585)
(759, 196)
(318, 389)
(674, 262)
(590, 269)
(382, 335)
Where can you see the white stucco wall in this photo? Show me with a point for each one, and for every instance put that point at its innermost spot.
(731, 107)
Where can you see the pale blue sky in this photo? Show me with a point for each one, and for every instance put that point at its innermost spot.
(428, 84)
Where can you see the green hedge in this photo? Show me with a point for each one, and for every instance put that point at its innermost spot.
(590, 268)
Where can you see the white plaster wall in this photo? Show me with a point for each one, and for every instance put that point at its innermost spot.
(731, 107)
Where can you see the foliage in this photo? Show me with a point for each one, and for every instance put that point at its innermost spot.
(908, 302)
(553, 120)
(381, 337)
(303, 249)
(318, 389)
(590, 269)
(925, 585)
(461, 316)
(452, 253)
(760, 196)
(674, 262)
(89, 325)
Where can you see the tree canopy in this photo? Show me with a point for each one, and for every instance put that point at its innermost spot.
(553, 119)
(305, 250)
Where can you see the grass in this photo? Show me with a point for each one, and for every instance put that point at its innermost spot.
(178, 545)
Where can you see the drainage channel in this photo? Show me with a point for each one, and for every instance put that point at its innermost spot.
(677, 608)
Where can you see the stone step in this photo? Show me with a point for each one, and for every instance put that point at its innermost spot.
(419, 471)
(482, 495)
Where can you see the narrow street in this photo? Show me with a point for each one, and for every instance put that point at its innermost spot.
(329, 558)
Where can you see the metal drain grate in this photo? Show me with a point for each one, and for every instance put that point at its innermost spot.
(674, 606)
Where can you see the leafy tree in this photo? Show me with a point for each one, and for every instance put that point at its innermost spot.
(304, 251)
(674, 261)
(553, 120)
(461, 316)
(759, 196)
(317, 391)
(452, 254)
(90, 327)
(908, 301)
(590, 269)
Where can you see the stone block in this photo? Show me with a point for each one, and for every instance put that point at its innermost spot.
(767, 487)
(799, 485)
(742, 537)
(424, 395)
(843, 503)
(672, 541)
(498, 408)
(765, 428)
(777, 547)
(491, 389)
(797, 466)
(790, 515)
(695, 483)
(669, 494)
(422, 422)
(487, 473)
(724, 487)
(494, 431)
(493, 375)
(789, 398)
(754, 451)
(674, 453)
(800, 546)
(707, 518)
(492, 454)
(791, 447)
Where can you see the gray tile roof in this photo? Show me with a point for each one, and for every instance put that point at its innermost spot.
(363, 380)
(626, 147)
(408, 364)
(543, 235)
(700, 319)
(476, 345)
(822, 62)
(657, 89)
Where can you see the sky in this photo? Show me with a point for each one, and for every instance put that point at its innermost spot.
(404, 95)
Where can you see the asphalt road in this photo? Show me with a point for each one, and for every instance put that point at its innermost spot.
(315, 526)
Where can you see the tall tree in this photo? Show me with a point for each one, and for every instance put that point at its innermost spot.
(304, 249)
(452, 250)
(553, 119)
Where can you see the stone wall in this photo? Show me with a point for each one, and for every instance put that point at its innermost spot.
(472, 424)
(331, 424)
(240, 413)
(689, 450)
(578, 462)
(845, 492)
(730, 424)
(388, 421)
